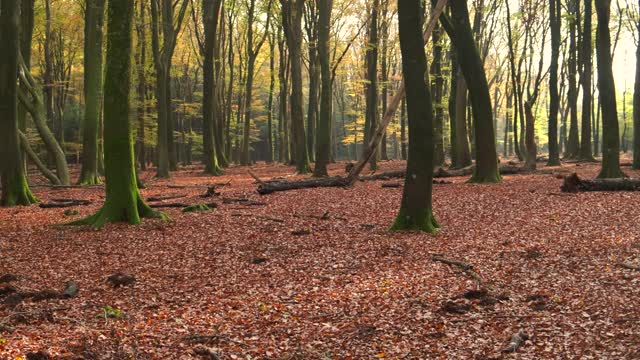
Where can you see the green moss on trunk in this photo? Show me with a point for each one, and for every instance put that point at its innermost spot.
(123, 202)
(15, 189)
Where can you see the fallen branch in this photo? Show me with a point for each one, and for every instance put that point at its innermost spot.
(629, 266)
(243, 201)
(517, 340)
(64, 203)
(264, 217)
(178, 205)
(167, 197)
(573, 184)
(466, 267)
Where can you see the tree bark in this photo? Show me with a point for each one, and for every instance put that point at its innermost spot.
(371, 118)
(636, 105)
(554, 95)
(323, 147)
(13, 182)
(292, 23)
(473, 69)
(210, 13)
(416, 206)
(94, 21)
(123, 202)
(607, 90)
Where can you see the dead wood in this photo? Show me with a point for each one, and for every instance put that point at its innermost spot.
(263, 217)
(243, 201)
(64, 203)
(467, 268)
(121, 279)
(166, 197)
(517, 340)
(573, 184)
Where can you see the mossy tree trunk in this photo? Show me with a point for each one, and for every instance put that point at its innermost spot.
(210, 13)
(607, 90)
(15, 189)
(437, 85)
(323, 148)
(123, 202)
(486, 170)
(94, 21)
(162, 57)
(415, 210)
(292, 24)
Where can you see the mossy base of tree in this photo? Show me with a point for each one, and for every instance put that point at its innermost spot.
(425, 222)
(214, 170)
(17, 192)
(89, 179)
(112, 212)
(304, 169)
(485, 179)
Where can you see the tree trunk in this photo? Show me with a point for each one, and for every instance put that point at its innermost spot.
(473, 69)
(311, 27)
(607, 90)
(462, 136)
(123, 201)
(323, 147)
(416, 208)
(586, 55)
(636, 107)
(210, 12)
(272, 85)
(437, 87)
(94, 21)
(292, 23)
(554, 96)
(371, 119)
(573, 145)
(142, 90)
(15, 189)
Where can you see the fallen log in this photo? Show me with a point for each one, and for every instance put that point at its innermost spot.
(573, 184)
(271, 186)
(268, 188)
(167, 197)
(64, 203)
(178, 205)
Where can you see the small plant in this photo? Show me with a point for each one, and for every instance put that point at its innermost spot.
(70, 212)
(196, 208)
(111, 313)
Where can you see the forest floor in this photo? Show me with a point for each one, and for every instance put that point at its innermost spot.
(275, 279)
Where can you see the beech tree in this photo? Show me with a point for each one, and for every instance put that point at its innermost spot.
(210, 13)
(15, 189)
(292, 24)
(94, 20)
(416, 209)
(323, 148)
(123, 202)
(606, 88)
(459, 30)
